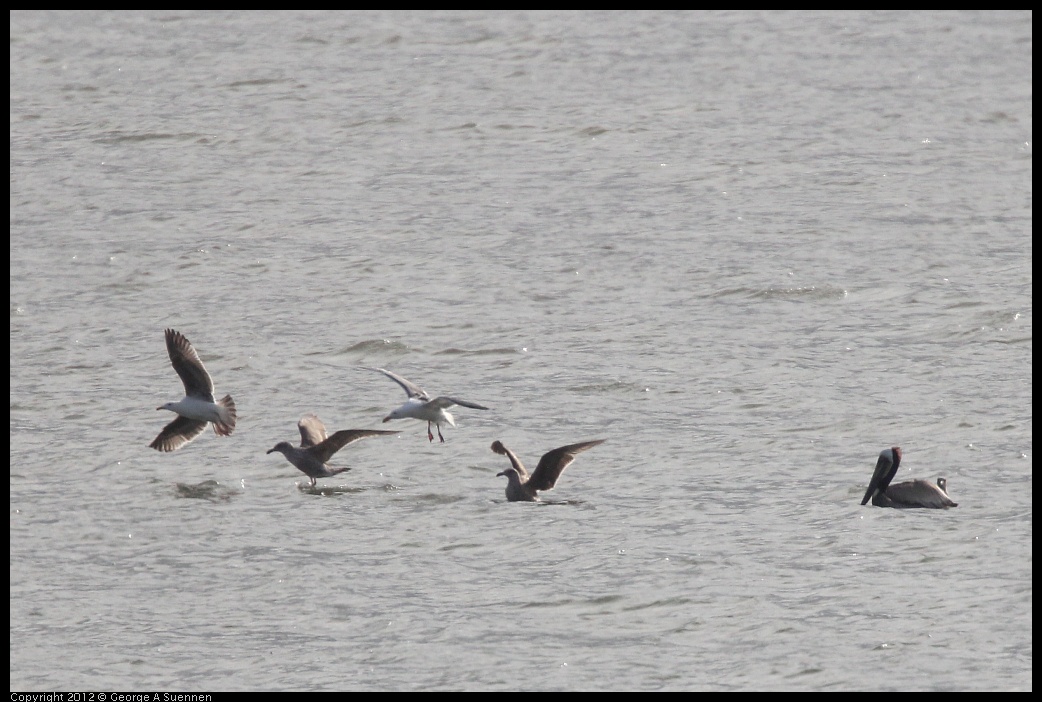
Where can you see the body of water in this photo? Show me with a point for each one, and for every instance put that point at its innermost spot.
(749, 250)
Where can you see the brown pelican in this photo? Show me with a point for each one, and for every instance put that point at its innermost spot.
(913, 493)
(524, 488)
(315, 448)
(421, 406)
(198, 407)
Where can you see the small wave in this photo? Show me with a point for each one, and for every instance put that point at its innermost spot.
(209, 490)
(611, 386)
(434, 499)
(454, 547)
(327, 490)
(478, 352)
(798, 292)
(668, 602)
(569, 601)
(121, 137)
(370, 345)
(255, 81)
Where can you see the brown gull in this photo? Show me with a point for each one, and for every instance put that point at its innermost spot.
(524, 488)
(912, 493)
(420, 405)
(315, 448)
(198, 406)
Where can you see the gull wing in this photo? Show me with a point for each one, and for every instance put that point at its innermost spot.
(178, 433)
(411, 388)
(312, 430)
(553, 463)
(498, 447)
(325, 450)
(446, 402)
(188, 365)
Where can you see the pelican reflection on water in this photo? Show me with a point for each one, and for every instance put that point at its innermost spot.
(909, 494)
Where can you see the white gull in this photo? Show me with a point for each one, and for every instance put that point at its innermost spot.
(198, 406)
(420, 405)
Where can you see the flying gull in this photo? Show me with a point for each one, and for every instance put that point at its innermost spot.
(198, 406)
(524, 488)
(421, 406)
(315, 448)
(913, 493)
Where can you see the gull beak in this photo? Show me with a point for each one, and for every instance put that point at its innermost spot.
(386, 419)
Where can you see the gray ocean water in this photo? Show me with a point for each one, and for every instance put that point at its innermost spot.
(750, 250)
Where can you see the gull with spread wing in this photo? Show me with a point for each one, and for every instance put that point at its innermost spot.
(198, 407)
(522, 487)
(422, 406)
(316, 448)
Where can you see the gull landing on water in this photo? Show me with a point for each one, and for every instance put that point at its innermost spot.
(315, 448)
(421, 406)
(524, 488)
(198, 406)
(912, 493)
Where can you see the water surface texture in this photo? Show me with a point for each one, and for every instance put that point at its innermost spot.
(749, 250)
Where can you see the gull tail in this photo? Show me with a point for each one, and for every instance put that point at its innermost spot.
(226, 409)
